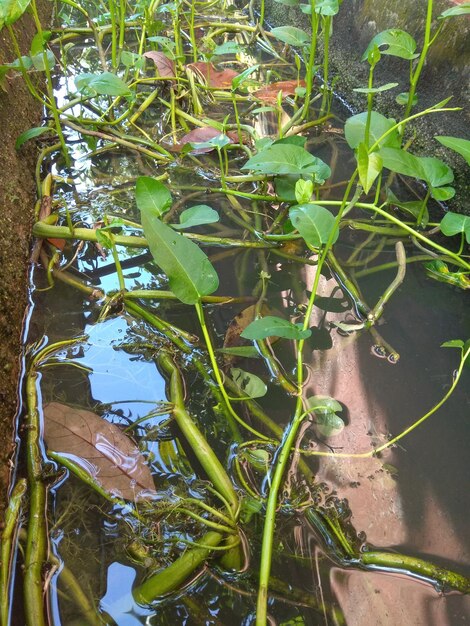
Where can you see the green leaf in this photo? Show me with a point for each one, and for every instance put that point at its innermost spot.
(355, 127)
(288, 159)
(394, 42)
(37, 44)
(327, 7)
(104, 84)
(152, 196)
(434, 171)
(189, 271)
(403, 97)
(289, 3)
(249, 384)
(303, 191)
(241, 78)
(39, 63)
(369, 166)
(31, 133)
(414, 207)
(463, 9)
(325, 408)
(376, 89)
(272, 326)
(453, 343)
(291, 35)
(314, 223)
(197, 215)
(12, 10)
(455, 223)
(462, 146)
(442, 194)
(228, 47)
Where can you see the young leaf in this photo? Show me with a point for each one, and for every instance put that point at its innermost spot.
(463, 9)
(455, 223)
(327, 7)
(239, 79)
(303, 191)
(402, 98)
(196, 216)
(272, 326)
(190, 273)
(152, 196)
(31, 133)
(369, 166)
(291, 35)
(355, 127)
(104, 84)
(314, 223)
(327, 422)
(288, 159)
(100, 448)
(394, 42)
(462, 146)
(249, 384)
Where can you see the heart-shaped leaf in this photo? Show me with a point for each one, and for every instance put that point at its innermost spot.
(104, 84)
(249, 384)
(455, 223)
(100, 448)
(314, 223)
(190, 273)
(291, 35)
(287, 159)
(272, 326)
(327, 422)
(395, 42)
(355, 130)
(196, 216)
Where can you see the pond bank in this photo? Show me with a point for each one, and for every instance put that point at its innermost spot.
(446, 72)
(18, 112)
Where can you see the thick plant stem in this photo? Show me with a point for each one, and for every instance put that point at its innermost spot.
(202, 450)
(12, 515)
(36, 544)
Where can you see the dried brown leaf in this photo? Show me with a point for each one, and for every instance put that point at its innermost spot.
(100, 448)
(218, 79)
(270, 92)
(164, 65)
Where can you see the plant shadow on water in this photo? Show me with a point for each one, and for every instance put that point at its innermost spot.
(220, 418)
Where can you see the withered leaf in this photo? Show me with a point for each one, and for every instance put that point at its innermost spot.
(100, 448)
(164, 65)
(200, 135)
(270, 92)
(218, 79)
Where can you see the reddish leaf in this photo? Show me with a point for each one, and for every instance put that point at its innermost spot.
(165, 66)
(58, 243)
(214, 78)
(100, 448)
(200, 135)
(270, 92)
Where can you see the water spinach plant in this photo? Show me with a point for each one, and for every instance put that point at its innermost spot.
(169, 91)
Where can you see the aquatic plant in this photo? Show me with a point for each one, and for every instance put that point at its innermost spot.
(151, 90)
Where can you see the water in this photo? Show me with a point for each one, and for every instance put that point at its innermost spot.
(410, 499)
